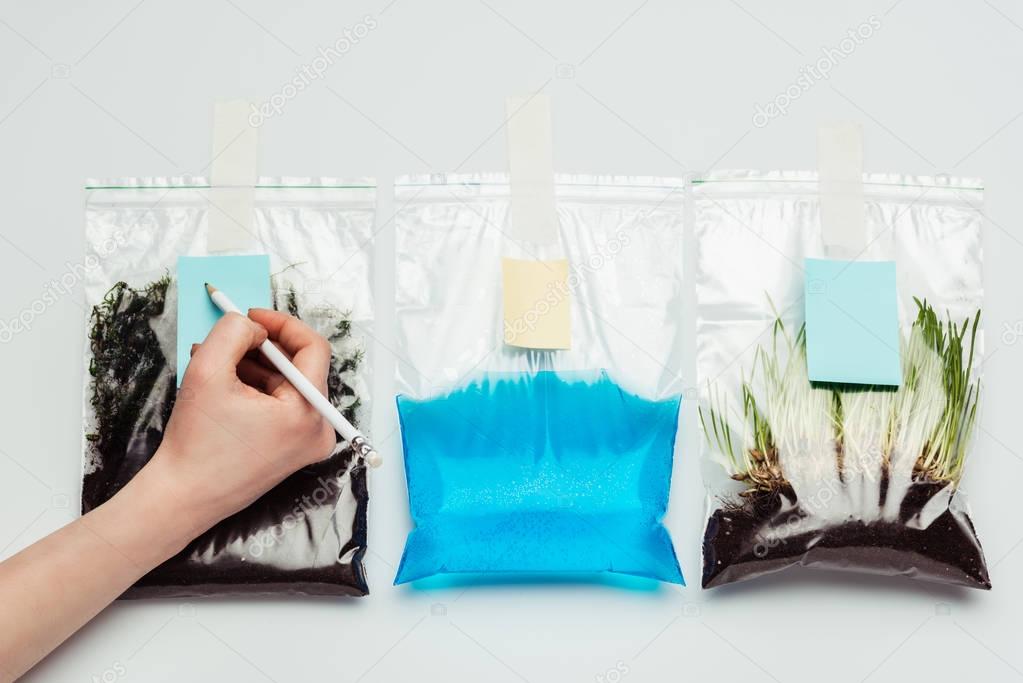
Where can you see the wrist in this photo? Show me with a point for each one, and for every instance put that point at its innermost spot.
(154, 515)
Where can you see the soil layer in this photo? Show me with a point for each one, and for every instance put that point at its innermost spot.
(770, 533)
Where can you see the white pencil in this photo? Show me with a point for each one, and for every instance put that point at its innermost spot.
(324, 407)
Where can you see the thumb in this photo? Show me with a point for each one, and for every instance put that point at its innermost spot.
(231, 338)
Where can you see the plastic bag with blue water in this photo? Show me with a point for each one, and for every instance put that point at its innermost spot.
(539, 463)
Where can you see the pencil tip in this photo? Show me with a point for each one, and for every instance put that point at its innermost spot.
(210, 289)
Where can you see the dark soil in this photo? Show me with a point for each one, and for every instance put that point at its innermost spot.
(757, 539)
(306, 536)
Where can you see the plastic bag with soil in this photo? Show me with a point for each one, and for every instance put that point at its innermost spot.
(840, 477)
(307, 535)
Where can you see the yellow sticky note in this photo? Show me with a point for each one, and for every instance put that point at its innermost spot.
(537, 307)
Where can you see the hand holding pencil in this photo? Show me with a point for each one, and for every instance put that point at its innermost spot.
(238, 428)
(315, 396)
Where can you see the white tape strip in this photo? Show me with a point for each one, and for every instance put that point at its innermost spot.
(531, 163)
(840, 178)
(233, 178)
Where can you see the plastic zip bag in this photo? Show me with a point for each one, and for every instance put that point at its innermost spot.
(834, 476)
(536, 461)
(308, 534)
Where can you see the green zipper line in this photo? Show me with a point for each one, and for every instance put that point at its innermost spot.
(798, 180)
(373, 187)
(208, 187)
(476, 184)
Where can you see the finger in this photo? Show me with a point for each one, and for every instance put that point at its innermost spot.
(309, 351)
(290, 333)
(191, 351)
(259, 357)
(230, 339)
(278, 388)
(259, 377)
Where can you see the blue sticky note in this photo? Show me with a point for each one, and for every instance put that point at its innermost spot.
(852, 322)
(245, 279)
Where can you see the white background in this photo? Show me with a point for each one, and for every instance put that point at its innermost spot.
(652, 88)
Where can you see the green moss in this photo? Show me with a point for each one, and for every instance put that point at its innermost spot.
(126, 360)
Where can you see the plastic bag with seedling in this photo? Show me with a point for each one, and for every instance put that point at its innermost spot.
(837, 476)
(855, 477)
(307, 535)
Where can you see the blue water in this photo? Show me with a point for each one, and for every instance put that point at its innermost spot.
(538, 473)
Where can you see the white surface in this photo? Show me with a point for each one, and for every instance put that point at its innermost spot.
(653, 88)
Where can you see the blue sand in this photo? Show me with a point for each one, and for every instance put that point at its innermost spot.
(538, 473)
(852, 322)
(245, 279)
(618, 582)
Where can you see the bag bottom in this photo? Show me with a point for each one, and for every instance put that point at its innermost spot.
(744, 544)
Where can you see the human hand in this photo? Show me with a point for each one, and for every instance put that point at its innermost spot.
(238, 427)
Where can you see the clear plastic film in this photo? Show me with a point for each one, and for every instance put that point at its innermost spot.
(834, 476)
(308, 534)
(523, 460)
